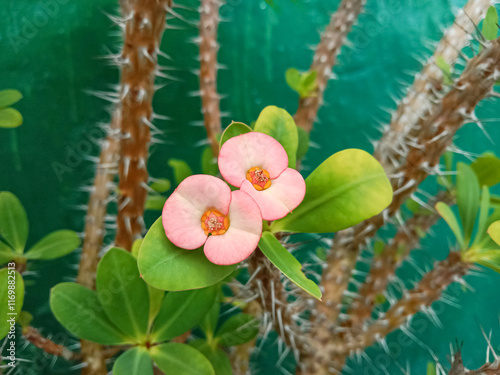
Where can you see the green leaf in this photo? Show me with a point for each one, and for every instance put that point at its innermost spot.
(431, 368)
(278, 123)
(161, 185)
(10, 118)
(494, 232)
(446, 69)
(237, 330)
(286, 263)
(181, 311)
(308, 84)
(11, 298)
(54, 245)
(181, 170)
(181, 359)
(9, 97)
(217, 357)
(490, 28)
(167, 267)
(468, 193)
(6, 253)
(487, 168)
(347, 188)
(209, 162)
(483, 216)
(79, 310)
(450, 218)
(292, 78)
(156, 297)
(209, 322)
(304, 83)
(13, 221)
(155, 202)
(233, 130)
(122, 292)
(135, 361)
(136, 246)
(303, 146)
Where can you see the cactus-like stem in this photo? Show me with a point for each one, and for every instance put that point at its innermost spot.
(325, 57)
(98, 202)
(94, 233)
(426, 292)
(421, 97)
(143, 31)
(48, 346)
(436, 134)
(384, 266)
(209, 22)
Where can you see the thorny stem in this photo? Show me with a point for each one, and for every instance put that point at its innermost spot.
(209, 22)
(427, 291)
(143, 31)
(421, 97)
(94, 234)
(384, 266)
(325, 57)
(436, 134)
(48, 346)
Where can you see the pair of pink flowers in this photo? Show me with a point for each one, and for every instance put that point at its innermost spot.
(204, 211)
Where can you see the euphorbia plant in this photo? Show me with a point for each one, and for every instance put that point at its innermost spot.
(206, 229)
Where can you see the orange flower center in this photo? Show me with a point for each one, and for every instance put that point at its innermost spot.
(259, 178)
(214, 222)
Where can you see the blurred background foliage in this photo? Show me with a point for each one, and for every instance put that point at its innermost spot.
(51, 51)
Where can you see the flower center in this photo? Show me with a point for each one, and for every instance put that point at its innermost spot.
(214, 222)
(259, 178)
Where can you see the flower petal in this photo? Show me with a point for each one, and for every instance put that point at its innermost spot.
(249, 150)
(283, 196)
(183, 210)
(243, 235)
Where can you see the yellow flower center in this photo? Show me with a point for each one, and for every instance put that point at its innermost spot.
(214, 223)
(259, 178)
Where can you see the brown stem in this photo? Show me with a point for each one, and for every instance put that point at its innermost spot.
(325, 58)
(427, 291)
(421, 97)
(436, 134)
(48, 346)
(98, 204)
(209, 22)
(143, 30)
(384, 265)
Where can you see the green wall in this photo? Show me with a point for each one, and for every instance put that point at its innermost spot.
(50, 50)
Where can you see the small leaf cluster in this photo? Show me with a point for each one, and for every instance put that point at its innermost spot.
(125, 311)
(304, 83)
(10, 117)
(476, 212)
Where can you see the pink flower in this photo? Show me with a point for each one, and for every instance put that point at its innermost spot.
(204, 211)
(258, 165)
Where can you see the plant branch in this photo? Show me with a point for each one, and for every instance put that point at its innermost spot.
(384, 266)
(421, 97)
(325, 57)
(143, 31)
(436, 133)
(48, 346)
(209, 22)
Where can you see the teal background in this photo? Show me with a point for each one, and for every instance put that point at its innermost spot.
(51, 49)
